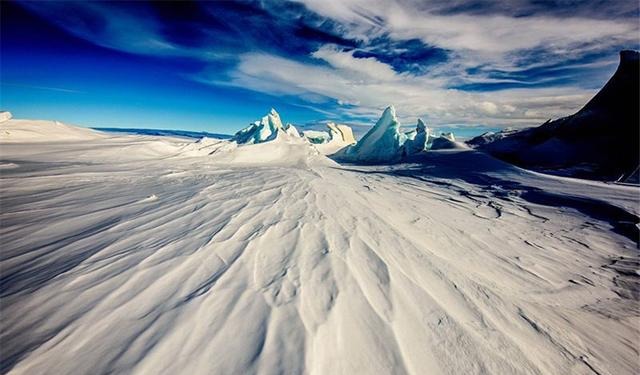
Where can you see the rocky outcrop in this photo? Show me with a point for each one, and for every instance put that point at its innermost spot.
(600, 141)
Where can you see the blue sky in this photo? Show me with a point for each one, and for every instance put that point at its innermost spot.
(216, 66)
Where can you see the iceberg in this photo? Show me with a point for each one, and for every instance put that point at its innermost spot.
(341, 132)
(5, 116)
(291, 131)
(267, 129)
(417, 139)
(334, 139)
(317, 137)
(383, 143)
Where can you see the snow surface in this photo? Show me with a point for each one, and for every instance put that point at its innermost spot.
(42, 131)
(445, 143)
(488, 137)
(448, 136)
(155, 255)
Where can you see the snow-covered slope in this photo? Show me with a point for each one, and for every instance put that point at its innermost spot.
(27, 131)
(147, 255)
(446, 142)
(488, 137)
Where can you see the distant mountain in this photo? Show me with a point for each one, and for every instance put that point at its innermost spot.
(601, 141)
(165, 132)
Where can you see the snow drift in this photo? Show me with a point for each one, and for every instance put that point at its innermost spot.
(28, 131)
(488, 137)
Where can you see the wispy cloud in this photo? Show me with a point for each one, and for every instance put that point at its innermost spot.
(479, 38)
(412, 95)
(47, 88)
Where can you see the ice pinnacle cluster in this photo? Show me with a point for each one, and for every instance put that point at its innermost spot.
(385, 143)
(267, 129)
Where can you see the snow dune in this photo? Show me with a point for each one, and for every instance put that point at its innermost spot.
(134, 254)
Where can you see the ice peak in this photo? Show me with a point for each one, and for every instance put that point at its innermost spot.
(388, 118)
(265, 129)
(421, 126)
(390, 111)
(382, 143)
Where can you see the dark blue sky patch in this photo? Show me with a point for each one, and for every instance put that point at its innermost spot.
(411, 55)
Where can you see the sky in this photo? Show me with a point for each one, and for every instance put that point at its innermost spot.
(469, 65)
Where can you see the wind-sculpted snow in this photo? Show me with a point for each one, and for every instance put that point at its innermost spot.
(175, 257)
(445, 142)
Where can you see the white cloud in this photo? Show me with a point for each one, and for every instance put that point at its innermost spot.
(368, 68)
(412, 95)
(476, 39)
(489, 108)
